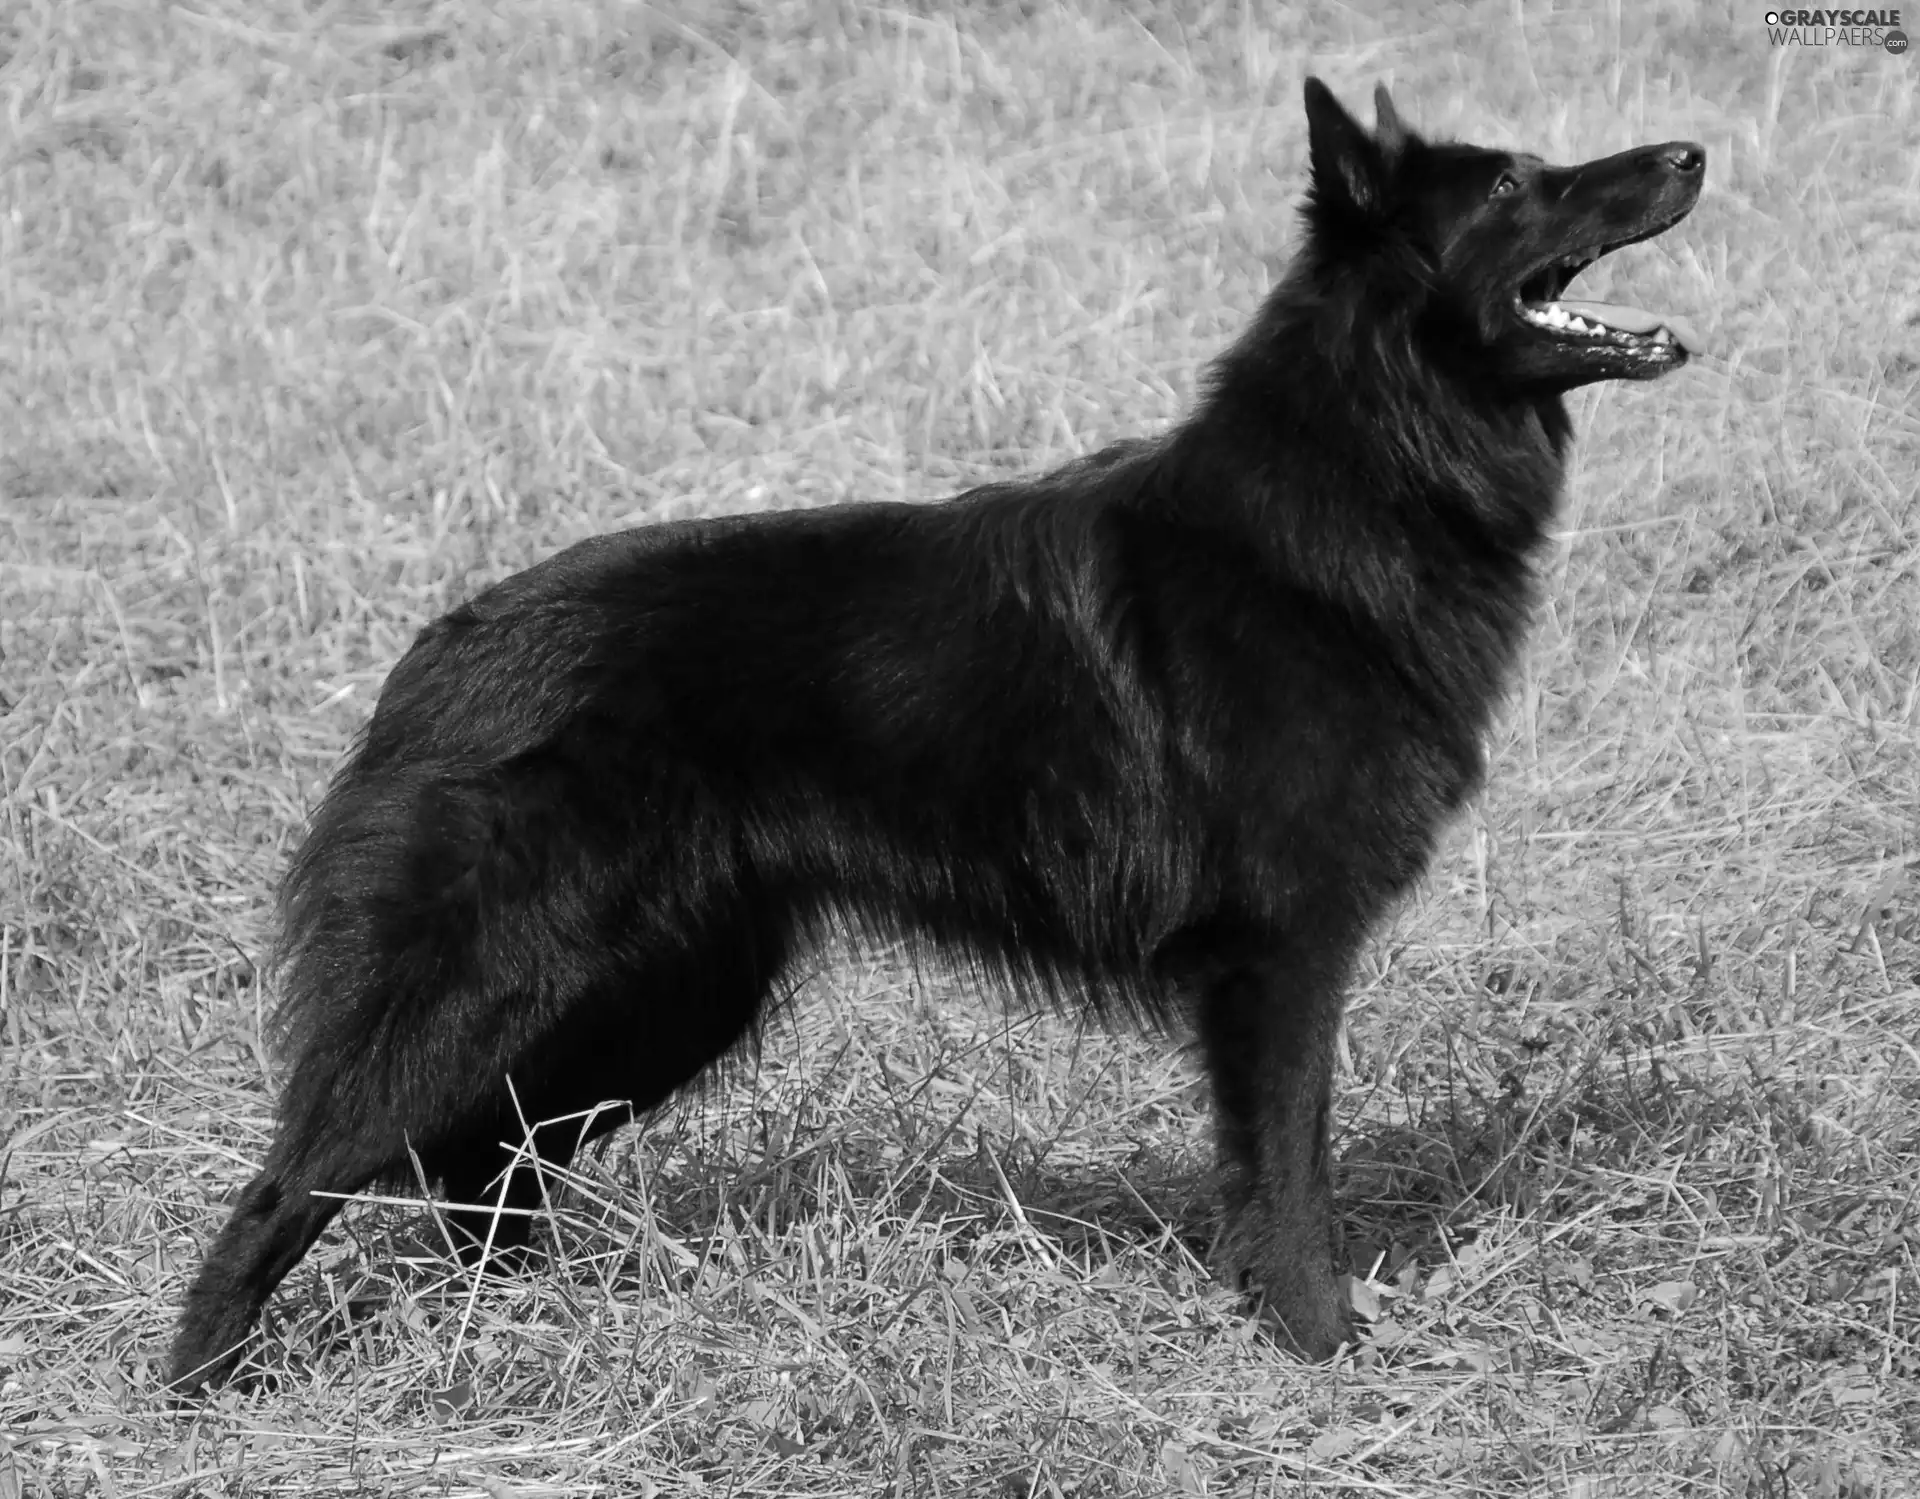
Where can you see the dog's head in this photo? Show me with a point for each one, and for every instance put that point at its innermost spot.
(1485, 242)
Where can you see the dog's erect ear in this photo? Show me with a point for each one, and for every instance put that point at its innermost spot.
(1389, 131)
(1347, 166)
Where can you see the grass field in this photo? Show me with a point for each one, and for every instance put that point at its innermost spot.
(315, 318)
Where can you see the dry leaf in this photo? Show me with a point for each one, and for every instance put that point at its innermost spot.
(1331, 1444)
(757, 1412)
(1673, 1295)
(1182, 1468)
(1667, 1418)
(454, 1401)
(1388, 1333)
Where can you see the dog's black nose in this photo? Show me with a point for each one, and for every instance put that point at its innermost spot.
(1684, 157)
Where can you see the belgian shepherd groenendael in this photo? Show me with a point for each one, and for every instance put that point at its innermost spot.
(1161, 732)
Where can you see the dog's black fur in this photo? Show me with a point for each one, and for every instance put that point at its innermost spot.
(1163, 731)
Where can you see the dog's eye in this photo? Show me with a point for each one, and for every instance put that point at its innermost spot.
(1504, 184)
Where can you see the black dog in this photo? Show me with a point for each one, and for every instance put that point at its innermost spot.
(1163, 732)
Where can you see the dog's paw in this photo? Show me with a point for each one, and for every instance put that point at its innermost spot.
(1290, 1286)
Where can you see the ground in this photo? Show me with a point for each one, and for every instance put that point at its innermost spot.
(314, 318)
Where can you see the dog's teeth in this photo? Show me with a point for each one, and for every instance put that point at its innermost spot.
(1553, 315)
(1663, 337)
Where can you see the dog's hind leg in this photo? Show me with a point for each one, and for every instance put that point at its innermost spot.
(1268, 1026)
(679, 1004)
(493, 1191)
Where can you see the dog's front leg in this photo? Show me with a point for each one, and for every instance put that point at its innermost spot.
(1269, 1028)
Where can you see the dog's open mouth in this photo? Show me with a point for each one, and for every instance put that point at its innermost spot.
(1539, 305)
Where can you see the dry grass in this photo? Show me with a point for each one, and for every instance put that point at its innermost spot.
(313, 319)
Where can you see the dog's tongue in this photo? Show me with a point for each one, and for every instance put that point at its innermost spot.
(1634, 320)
